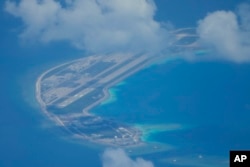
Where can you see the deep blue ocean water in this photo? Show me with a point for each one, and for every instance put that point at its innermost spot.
(27, 138)
(209, 100)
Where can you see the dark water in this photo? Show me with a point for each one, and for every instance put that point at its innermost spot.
(27, 138)
(210, 101)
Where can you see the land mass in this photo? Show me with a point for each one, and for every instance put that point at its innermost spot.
(68, 92)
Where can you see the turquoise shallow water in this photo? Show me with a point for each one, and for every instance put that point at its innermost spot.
(201, 109)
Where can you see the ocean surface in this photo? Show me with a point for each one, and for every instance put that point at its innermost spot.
(200, 110)
(27, 137)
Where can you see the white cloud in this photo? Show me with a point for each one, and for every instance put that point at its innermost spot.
(94, 25)
(230, 37)
(118, 158)
(101, 26)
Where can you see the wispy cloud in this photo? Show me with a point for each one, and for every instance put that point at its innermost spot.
(93, 25)
(118, 158)
(228, 33)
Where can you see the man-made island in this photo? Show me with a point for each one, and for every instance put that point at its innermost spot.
(69, 91)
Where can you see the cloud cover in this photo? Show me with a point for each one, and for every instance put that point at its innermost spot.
(104, 26)
(93, 25)
(228, 33)
(118, 158)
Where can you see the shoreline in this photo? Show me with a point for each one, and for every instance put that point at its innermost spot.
(86, 82)
(86, 111)
(60, 121)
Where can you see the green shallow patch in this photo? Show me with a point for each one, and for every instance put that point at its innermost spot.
(112, 96)
(149, 129)
(121, 83)
(202, 52)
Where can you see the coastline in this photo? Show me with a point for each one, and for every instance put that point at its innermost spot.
(86, 112)
(60, 120)
(38, 93)
(73, 88)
